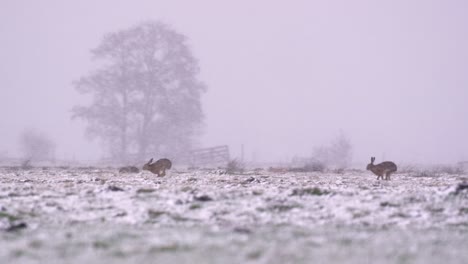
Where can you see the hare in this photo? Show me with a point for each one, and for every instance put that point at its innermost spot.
(159, 167)
(385, 168)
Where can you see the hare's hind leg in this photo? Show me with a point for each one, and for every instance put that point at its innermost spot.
(387, 177)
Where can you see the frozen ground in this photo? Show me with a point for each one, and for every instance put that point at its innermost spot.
(101, 216)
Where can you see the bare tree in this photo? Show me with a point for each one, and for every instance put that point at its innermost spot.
(146, 95)
(36, 146)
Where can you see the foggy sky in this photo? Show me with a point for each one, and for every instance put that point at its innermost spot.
(283, 76)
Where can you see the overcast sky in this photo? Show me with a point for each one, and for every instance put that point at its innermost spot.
(283, 76)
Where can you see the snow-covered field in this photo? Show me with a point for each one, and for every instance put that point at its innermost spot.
(101, 216)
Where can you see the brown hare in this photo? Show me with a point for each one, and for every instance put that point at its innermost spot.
(159, 167)
(385, 168)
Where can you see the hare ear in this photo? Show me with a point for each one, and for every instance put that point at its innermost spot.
(149, 162)
(372, 159)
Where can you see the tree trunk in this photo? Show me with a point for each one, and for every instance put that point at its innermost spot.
(123, 129)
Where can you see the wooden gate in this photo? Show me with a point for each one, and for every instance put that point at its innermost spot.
(215, 156)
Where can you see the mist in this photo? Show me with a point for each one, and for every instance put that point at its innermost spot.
(283, 77)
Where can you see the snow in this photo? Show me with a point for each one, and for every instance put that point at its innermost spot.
(97, 215)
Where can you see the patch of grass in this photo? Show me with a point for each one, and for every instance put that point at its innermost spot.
(359, 214)
(186, 189)
(119, 253)
(282, 207)
(309, 191)
(195, 206)
(388, 204)
(180, 218)
(435, 210)
(121, 214)
(17, 253)
(36, 244)
(256, 254)
(155, 214)
(8, 216)
(257, 192)
(146, 190)
(99, 244)
(346, 241)
(169, 248)
(399, 215)
(405, 258)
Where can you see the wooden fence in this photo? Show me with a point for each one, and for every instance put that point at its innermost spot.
(214, 156)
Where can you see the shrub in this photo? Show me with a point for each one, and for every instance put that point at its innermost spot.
(337, 154)
(234, 166)
(315, 166)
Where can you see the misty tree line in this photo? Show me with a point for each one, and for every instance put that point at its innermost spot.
(144, 100)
